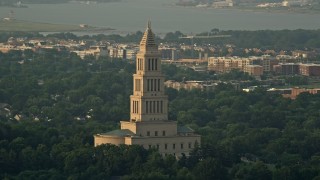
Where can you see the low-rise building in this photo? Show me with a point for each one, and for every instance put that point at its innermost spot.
(188, 85)
(95, 51)
(296, 91)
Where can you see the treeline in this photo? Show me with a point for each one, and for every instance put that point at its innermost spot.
(11, 3)
(253, 135)
(264, 39)
(267, 39)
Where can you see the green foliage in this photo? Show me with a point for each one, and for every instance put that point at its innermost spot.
(68, 84)
(296, 80)
(252, 135)
(173, 72)
(235, 74)
(282, 39)
(4, 36)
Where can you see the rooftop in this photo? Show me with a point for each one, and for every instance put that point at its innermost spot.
(184, 129)
(119, 133)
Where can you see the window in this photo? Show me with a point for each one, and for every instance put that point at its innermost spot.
(165, 146)
(135, 106)
(137, 102)
(149, 146)
(163, 133)
(181, 145)
(161, 106)
(147, 107)
(173, 146)
(151, 85)
(152, 65)
(158, 84)
(190, 145)
(150, 106)
(141, 64)
(158, 146)
(148, 84)
(156, 64)
(156, 133)
(149, 64)
(148, 133)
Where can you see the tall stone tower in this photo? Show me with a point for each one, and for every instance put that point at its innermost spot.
(148, 102)
(149, 125)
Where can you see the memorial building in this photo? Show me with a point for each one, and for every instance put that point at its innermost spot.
(149, 125)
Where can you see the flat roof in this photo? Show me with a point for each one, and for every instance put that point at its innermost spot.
(119, 133)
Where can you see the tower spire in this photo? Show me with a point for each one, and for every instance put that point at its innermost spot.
(148, 40)
(149, 24)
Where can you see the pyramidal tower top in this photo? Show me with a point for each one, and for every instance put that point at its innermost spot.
(148, 40)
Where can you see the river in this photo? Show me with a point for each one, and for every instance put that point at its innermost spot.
(132, 15)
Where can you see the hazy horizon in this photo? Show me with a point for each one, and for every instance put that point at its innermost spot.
(131, 16)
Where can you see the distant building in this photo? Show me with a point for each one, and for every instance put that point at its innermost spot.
(309, 69)
(296, 91)
(254, 70)
(286, 59)
(131, 54)
(226, 64)
(169, 54)
(267, 62)
(7, 48)
(268, 5)
(286, 69)
(149, 125)
(291, 3)
(95, 51)
(201, 85)
(221, 4)
(188, 85)
(304, 54)
(5, 110)
(122, 52)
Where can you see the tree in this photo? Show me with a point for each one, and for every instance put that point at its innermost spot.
(210, 169)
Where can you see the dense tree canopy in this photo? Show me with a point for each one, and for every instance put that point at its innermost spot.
(252, 135)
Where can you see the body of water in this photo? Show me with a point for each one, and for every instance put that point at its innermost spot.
(132, 15)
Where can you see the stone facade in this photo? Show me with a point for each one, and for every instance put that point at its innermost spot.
(149, 125)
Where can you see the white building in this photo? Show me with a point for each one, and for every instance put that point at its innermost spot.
(221, 4)
(95, 51)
